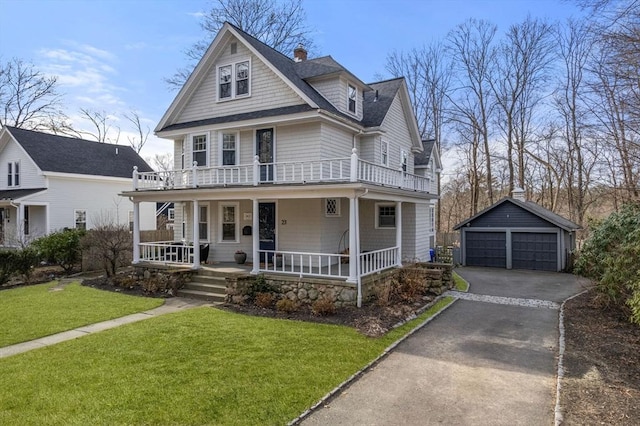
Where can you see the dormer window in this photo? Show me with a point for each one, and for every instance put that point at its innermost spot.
(352, 94)
(234, 80)
(13, 173)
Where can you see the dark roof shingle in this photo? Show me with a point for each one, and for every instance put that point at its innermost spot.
(53, 153)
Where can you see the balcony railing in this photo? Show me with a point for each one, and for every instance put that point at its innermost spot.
(351, 169)
(326, 265)
(378, 260)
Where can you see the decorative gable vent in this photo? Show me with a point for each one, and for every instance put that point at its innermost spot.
(234, 48)
(332, 207)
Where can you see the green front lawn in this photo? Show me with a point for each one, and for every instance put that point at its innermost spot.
(31, 312)
(201, 366)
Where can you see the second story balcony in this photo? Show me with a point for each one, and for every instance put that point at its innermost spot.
(339, 170)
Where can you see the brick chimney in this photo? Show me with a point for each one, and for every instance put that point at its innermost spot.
(519, 194)
(299, 53)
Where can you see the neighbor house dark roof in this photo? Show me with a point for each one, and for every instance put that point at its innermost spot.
(531, 207)
(15, 194)
(296, 72)
(53, 153)
(422, 158)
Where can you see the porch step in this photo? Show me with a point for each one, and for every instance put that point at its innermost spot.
(205, 287)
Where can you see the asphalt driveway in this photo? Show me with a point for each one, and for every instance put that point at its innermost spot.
(487, 361)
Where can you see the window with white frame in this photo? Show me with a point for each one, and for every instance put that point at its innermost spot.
(171, 214)
(234, 80)
(404, 157)
(229, 146)
(352, 95)
(384, 153)
(182, 149)
(229, 222)
(332, 207)
(13, 173)
(80, 219)
(385, 215)
(203, 222)
(432, 219)
(130, 220)
(200, 145)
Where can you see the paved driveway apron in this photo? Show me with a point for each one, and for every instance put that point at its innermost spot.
(490, 359)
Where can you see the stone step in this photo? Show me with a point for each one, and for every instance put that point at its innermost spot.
(217, 299)
(207, 287)
(207, 279)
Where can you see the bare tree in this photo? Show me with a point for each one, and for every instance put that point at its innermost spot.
(471, 47)
(279, 24)
(137, 142)
(102, 125)
(162, 162)
(28, 98)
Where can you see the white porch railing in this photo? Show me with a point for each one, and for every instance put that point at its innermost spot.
(378, 260)
(327, 265)
(166, 252)
(330, 170)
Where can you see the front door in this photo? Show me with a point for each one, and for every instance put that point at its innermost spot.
(267, 219)
(264, 151)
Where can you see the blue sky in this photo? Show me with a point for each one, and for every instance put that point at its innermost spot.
(112, 55)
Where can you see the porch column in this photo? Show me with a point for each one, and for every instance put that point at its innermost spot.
(353, 240)
(20, 224)
(136, 232)
(255, 236)
(399, 232)
(196, 236)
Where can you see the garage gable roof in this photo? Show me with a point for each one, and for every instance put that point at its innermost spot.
(532, 208)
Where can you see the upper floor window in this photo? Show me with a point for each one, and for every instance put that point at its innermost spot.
(352, 93)
(13, 173)
(200, 150)
(404, 156)
(234, 80)
(384, 153)
(229, 144)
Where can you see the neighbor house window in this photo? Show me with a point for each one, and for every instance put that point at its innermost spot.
(229, 142)
(352, 93)
(171, 214)
(26, 220)
(332, 207)
(13, 173)
(200, 150)
(432, 219)
(234, 80)
(385, 216)
(130, 220)
(384, 153)
(184, 142)
(229, 222)
(203, 222)
(81, 219)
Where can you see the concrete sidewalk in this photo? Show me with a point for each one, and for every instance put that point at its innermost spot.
(174, 304)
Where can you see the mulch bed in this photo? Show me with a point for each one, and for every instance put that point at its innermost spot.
(602, 366)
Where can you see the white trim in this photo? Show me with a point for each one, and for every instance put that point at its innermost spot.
(221, 134)
(206, 206)
(236, 206)
(87, 177)
(207, 135)
(275, 141)
(384, 153)
(233, 82)
(377, 213)
(355, 105)
(86, 219)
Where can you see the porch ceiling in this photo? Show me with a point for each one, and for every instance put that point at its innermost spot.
(282, 191)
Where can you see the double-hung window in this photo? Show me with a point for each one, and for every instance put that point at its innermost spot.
(229, 144)
(385, 215)
(81, 219)
(404, 156)
(384, 153)
(234, 80)
(352, 94)
(203, 222)
(200, 150)
(229, 222)
(13, 173)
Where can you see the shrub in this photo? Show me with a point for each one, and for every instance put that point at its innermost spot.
(286, 305)
(61, 248)
(259, 285)
(7, 265)
(264, 300)
(24, 262)
(610, 257)
(111, 244)
(323, 307)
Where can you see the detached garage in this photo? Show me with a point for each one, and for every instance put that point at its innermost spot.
(517, 234)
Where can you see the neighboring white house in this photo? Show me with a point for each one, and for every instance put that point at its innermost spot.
(291, 159)
(51, 182)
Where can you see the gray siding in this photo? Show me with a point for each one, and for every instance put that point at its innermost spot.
(508, 215)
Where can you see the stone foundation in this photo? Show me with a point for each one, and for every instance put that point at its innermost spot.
(437, 279)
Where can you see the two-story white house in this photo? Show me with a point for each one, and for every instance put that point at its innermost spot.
(51, 182)
(296, 162)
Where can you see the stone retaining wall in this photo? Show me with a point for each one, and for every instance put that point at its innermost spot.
(306, 290)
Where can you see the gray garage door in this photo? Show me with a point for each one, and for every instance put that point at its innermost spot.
(534, 251)
(486, 249)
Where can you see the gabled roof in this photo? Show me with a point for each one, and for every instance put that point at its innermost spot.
(422, 158)
(532, 208)
(295, 75)
(61, 154)
(15, 194)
